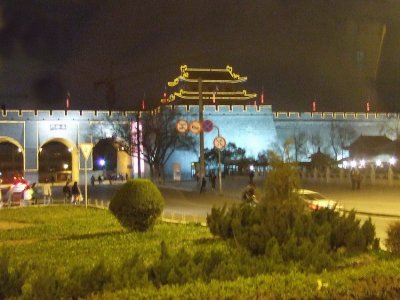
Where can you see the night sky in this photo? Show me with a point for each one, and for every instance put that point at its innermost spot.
(294, 50)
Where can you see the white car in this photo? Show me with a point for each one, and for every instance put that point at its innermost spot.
(316, 201)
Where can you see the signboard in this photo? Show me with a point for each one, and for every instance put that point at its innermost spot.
(182, 126)
(219, 142)
(208, 125)
(86, 149)
(195, 127)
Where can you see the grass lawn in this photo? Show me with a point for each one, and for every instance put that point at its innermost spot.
(57, 239)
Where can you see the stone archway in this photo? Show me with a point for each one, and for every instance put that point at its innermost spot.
(110, 158)
(58, 159)
(12, 159)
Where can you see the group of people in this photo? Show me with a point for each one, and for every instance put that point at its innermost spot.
(355, 177)
(203, 184)
(72, 194)
(110, 178)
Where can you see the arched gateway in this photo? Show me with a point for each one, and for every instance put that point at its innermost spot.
(49, 142)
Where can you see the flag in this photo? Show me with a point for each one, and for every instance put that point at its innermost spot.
(262, 96)
(67, 101)
(143, 101)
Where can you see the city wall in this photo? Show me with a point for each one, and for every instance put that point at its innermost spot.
(254, 128)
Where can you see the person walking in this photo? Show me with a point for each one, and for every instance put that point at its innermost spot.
(67, 192)
(92, 180)
(203, 184)
(47, 194)
(213, 180)
(76, 194)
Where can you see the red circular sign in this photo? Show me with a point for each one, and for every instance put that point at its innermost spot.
(208, 125)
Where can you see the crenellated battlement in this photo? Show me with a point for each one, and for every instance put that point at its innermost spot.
(333, 116)
(21, 115)
(14, 114)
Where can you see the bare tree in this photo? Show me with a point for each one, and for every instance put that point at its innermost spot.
(299, 144)
(316, 142)
(160, 138)
(157, 136)
(341, 136)
(391, 127)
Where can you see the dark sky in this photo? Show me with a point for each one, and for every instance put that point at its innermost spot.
(296, 50)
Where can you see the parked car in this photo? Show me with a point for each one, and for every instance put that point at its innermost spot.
(316, 201)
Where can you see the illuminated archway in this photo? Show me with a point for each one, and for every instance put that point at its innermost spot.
(105, 156)
(58, 160)
(111, 158)
(11, 159)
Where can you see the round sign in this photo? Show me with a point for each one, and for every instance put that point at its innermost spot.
(182, 126)
(208, 125)
(195, 127)
(219, 142)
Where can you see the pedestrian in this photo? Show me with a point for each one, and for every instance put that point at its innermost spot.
(47, 195)
(67, 192)
(213, 180)
(76, 194)
(251, 176)
(357, 179)
(53, 179)
(203, 185)
(99, 179)
(35, 193)
(126, 176)
(92, 180)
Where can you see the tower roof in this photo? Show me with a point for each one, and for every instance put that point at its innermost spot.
(217, 85)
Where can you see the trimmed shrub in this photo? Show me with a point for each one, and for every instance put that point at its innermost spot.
(393, 239)
(137, 204)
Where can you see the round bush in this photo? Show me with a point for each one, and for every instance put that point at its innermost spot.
(137, 204)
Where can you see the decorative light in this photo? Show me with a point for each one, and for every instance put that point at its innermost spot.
(392, 161)
(65, 166)
(378, 163)
(70, 149)
(362, 163)
(345, 164)
(102, 162)
(353, 163)
(19, 150)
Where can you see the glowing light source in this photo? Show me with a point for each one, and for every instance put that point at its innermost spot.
(19, 150)
(378, 163)
(102, 162)
(345, 164)
(362, 163)
(353, 163)
(70, 149)
(65, 166)
(392, 161)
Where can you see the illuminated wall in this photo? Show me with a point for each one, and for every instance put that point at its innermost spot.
(255, 129)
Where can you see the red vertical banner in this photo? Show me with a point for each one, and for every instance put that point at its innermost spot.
(368, 106)
(262, 97)
(67, 101)
(314, 106)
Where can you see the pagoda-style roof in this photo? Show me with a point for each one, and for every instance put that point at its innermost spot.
(217, 85)
(207, 75)
(372, 146)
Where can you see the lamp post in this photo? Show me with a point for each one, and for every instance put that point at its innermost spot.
(201, 119)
